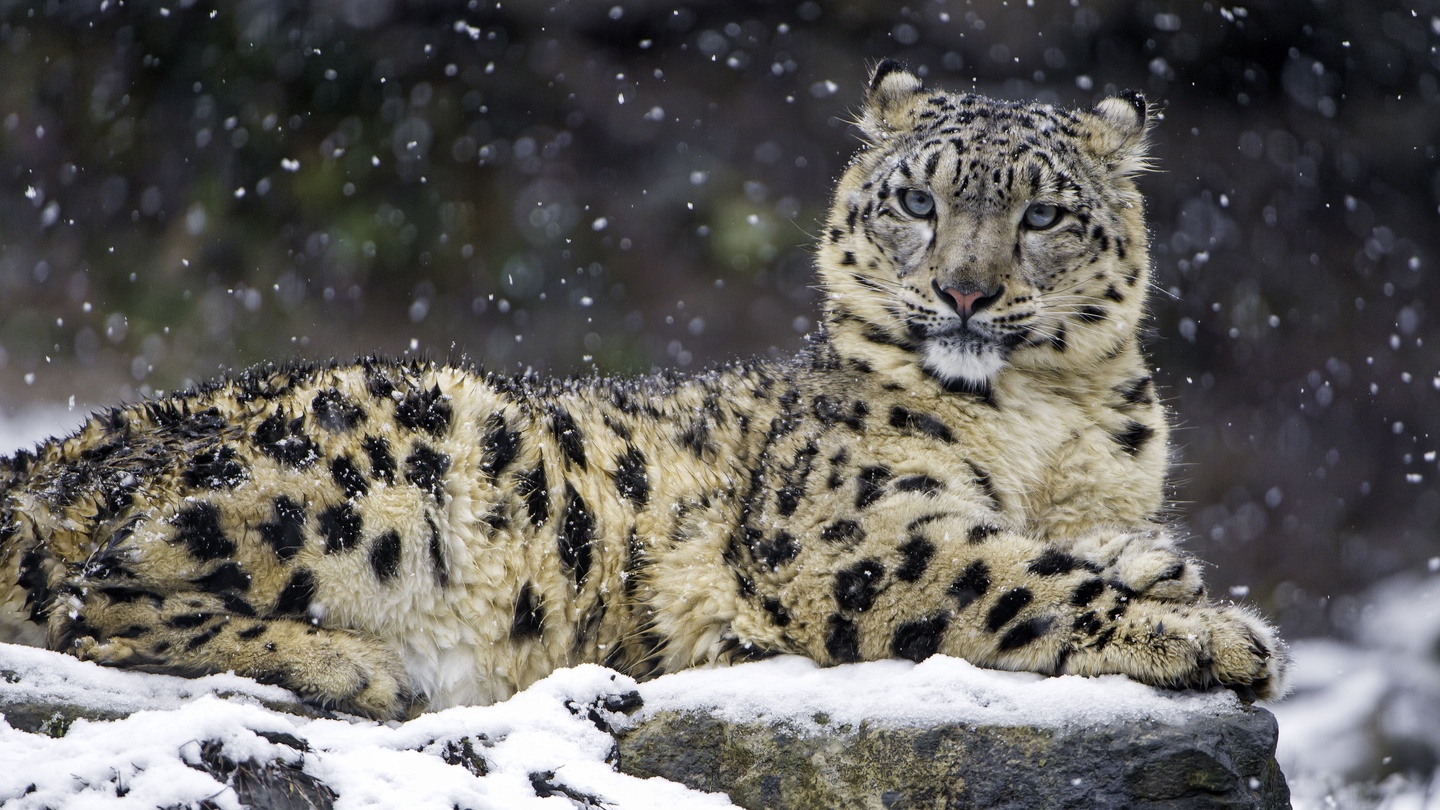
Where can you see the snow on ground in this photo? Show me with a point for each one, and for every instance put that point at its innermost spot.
(1362, 728)
(1361, 731)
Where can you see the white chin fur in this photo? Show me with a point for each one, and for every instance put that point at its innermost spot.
(955, 363)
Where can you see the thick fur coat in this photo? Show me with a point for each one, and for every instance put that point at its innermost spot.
(969, 458)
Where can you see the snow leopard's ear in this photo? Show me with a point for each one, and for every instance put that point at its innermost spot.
(891, 88)
(1118, 128)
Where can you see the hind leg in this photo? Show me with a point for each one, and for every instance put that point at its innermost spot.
(194, 634)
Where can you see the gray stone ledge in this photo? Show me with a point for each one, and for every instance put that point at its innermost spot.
(1224, 760)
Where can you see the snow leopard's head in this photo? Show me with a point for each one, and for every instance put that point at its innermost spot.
(978, 234)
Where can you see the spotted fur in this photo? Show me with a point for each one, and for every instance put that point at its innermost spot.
(968, 459)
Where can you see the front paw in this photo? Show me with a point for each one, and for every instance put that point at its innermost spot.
(1248, 655)
(1206, 645)
(344, 671)
(1188, 647)
(1147, 564)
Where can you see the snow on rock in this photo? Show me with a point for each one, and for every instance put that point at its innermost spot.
(28, 674)
(144, 760)
(148, 746)
(544, 740)
(903, 694)
(787, 733)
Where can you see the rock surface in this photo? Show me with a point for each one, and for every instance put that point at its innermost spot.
(782, 733)
(1210, 761)
(1213, 761)
(945, 733)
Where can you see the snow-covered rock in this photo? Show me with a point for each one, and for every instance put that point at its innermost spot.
(77, 735)
(944, 733)
(113, 738)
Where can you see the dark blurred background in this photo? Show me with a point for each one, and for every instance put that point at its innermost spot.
(195, 186)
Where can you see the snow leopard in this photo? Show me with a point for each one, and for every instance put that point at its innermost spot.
(967, 458)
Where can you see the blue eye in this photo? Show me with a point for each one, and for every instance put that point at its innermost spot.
(917, 203)
(1040, 216)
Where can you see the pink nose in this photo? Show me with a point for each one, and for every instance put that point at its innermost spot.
(964, 302)
(968, 303)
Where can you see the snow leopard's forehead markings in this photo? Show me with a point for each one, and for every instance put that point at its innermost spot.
(976, 234)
